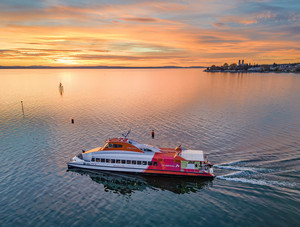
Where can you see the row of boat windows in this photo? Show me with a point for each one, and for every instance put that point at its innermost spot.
(119, 161)
(113, 145)
(145, 149)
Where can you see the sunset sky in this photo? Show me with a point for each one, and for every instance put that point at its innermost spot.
(148, 33)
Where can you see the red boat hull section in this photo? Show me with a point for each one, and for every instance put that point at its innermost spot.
(169, 162)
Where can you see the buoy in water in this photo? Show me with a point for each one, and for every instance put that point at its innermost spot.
(22, 107)
(72, 121)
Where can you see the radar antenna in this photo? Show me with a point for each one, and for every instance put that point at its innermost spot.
(126, 134)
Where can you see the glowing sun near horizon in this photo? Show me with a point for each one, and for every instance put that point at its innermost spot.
(66, 61)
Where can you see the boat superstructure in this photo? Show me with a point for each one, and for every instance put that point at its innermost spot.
(126, 155)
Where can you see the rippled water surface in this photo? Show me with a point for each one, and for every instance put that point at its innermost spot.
(248, 125)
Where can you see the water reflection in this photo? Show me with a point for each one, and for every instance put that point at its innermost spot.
(126, 184)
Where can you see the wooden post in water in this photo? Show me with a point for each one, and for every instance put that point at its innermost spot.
(22, 107)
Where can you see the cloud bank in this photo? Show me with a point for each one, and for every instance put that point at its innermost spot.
(148, 33)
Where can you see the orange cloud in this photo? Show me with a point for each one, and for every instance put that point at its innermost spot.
(140, 34)
(140, 19)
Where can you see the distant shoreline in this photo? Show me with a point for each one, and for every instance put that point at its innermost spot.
(97, 67)
(248, 68)
(245, 71)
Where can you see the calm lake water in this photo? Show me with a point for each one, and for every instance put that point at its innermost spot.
(247, 124)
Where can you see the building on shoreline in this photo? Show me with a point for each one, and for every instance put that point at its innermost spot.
(245, 67)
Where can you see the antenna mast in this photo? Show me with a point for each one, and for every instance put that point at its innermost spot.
(126, 134)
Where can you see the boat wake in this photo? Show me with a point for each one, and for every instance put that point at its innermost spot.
(241, 168)
(249, 175)
(257, 181)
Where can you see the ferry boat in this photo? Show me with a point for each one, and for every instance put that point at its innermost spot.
(127, 155)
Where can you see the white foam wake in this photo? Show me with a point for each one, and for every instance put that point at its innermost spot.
(236, 168)
(243, 171)
(232, 163)
(240, 168)
(257, 182)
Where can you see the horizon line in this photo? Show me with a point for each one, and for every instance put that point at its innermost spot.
(95, 67)
(115, 67)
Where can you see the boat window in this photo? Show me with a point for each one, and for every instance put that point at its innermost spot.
(139, 162)
(97, 159)
(146, 149)
(115, 145)
(107, 160)
(102, 159)
(120, 145)
(134, 162)
(113, 161)
(155, 163)
(128, 161)
(123, 161)
(93, 159)
(150, 163)
(144, 162)
(118, 161)
(110, 145)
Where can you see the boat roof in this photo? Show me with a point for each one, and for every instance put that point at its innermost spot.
(142, 147)
(193, 155)
(130, 145)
